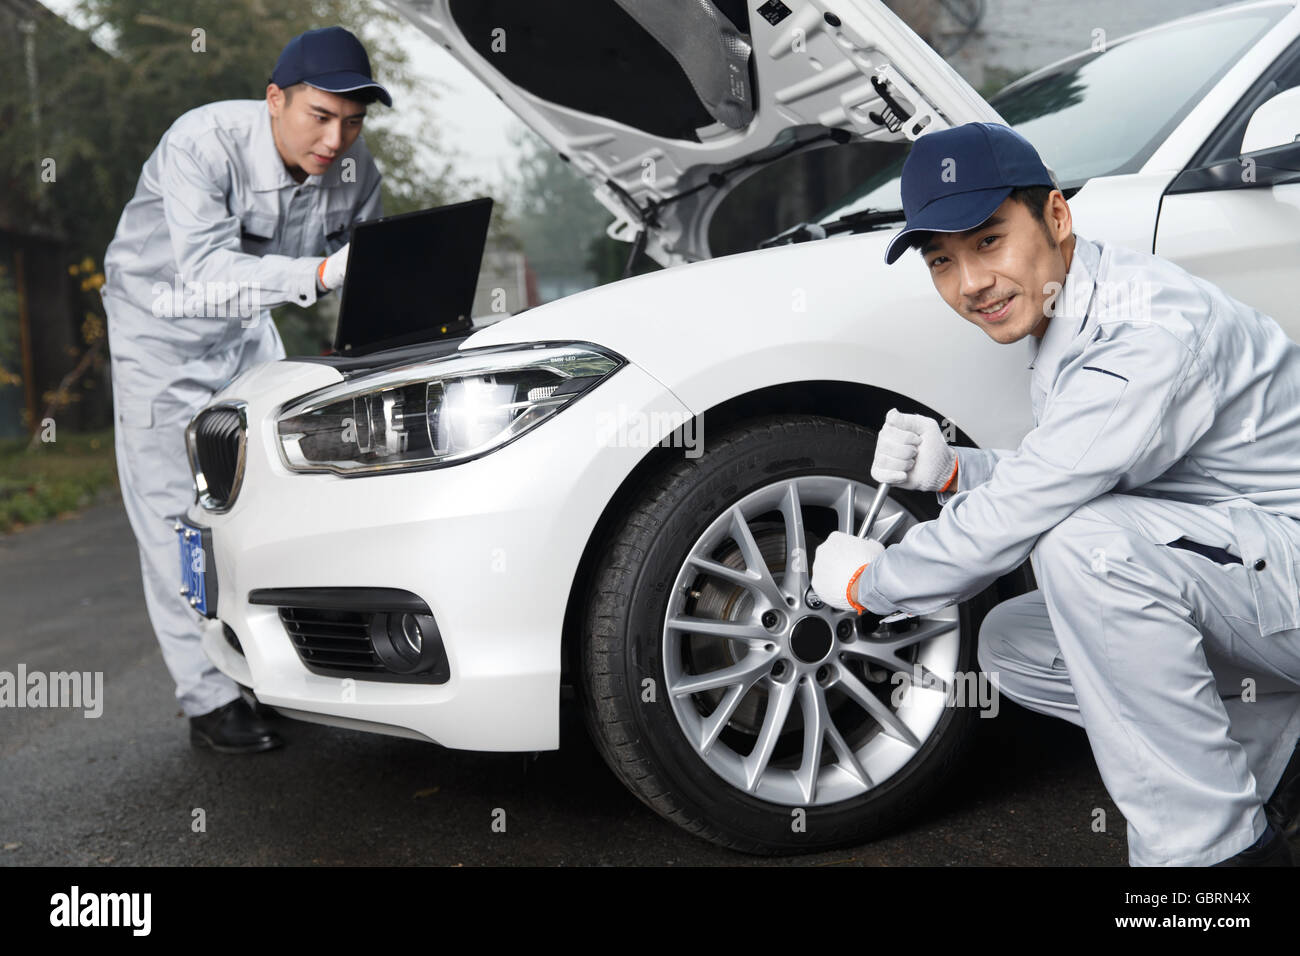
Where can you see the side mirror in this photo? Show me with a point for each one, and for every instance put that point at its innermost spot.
(1265, 167)
(1275, 123)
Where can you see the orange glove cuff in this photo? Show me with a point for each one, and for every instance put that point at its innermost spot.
(951, 478)
(320, 274)
(853, 583)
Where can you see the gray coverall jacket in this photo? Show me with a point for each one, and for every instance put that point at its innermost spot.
(216, 235)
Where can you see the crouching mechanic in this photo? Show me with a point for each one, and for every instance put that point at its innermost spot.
(1157, 496)
(230, 217)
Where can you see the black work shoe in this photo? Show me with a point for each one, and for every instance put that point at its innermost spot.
(1283, 808)
(233, 728)
(1270, 850)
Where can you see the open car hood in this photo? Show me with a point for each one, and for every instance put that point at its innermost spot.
(666, 105)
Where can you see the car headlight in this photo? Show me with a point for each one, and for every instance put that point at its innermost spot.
(439, 412)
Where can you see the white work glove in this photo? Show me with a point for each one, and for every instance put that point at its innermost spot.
(837, 565)
(911, 453)
(331, 270)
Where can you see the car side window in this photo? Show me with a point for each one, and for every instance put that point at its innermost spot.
(1225, 142)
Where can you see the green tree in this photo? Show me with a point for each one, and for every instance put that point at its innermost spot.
(553, 212)
(97, 112)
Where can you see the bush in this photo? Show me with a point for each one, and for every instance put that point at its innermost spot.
(53, 479)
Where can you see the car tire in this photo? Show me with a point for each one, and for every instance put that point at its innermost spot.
(625, 689)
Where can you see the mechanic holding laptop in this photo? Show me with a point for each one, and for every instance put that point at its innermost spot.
(1157, 496)
(229, 218)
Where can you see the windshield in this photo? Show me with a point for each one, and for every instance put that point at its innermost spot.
(1098, 114)
(1104, 113)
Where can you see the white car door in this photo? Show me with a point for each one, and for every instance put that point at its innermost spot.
(1238, 225)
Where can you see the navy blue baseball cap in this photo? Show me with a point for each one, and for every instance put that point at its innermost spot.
(330, 59)
(954, 179)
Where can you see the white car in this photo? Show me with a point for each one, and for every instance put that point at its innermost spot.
(621, 491)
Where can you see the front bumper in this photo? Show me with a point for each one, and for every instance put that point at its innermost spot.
(491, 547)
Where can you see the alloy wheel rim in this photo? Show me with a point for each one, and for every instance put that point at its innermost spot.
(778, 693)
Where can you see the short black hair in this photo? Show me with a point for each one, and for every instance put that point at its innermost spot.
(1033, 198)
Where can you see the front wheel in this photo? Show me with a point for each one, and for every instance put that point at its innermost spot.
(725, 694)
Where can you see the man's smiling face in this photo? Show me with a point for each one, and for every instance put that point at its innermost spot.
(312, 127)
(1007, 262)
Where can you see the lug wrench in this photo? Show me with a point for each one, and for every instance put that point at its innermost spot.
(882, 492)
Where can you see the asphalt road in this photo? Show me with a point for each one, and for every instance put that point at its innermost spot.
(122, 789)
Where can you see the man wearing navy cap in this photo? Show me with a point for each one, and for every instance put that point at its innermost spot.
(244, 205)
(1157, 497)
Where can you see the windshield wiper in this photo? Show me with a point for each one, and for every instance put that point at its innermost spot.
(853, 222)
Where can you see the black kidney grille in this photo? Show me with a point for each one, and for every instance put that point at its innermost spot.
(218, 442)
(329, 640)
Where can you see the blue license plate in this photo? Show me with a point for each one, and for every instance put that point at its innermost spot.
(195, 572)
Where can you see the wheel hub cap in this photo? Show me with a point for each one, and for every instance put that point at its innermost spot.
(811, 640)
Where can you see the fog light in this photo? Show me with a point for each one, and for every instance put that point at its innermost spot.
(411, 632)
(398, 639)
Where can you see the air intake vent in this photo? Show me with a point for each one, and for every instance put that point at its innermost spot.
(332, 640)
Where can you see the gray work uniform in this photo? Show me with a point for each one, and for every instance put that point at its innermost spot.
(1163, 410)
(216, 235)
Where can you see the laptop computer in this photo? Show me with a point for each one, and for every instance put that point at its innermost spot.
(411, 278)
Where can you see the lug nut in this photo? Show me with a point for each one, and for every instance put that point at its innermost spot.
(769, 619)
(844, 630)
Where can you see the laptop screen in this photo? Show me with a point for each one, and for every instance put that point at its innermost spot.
(411, 278)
